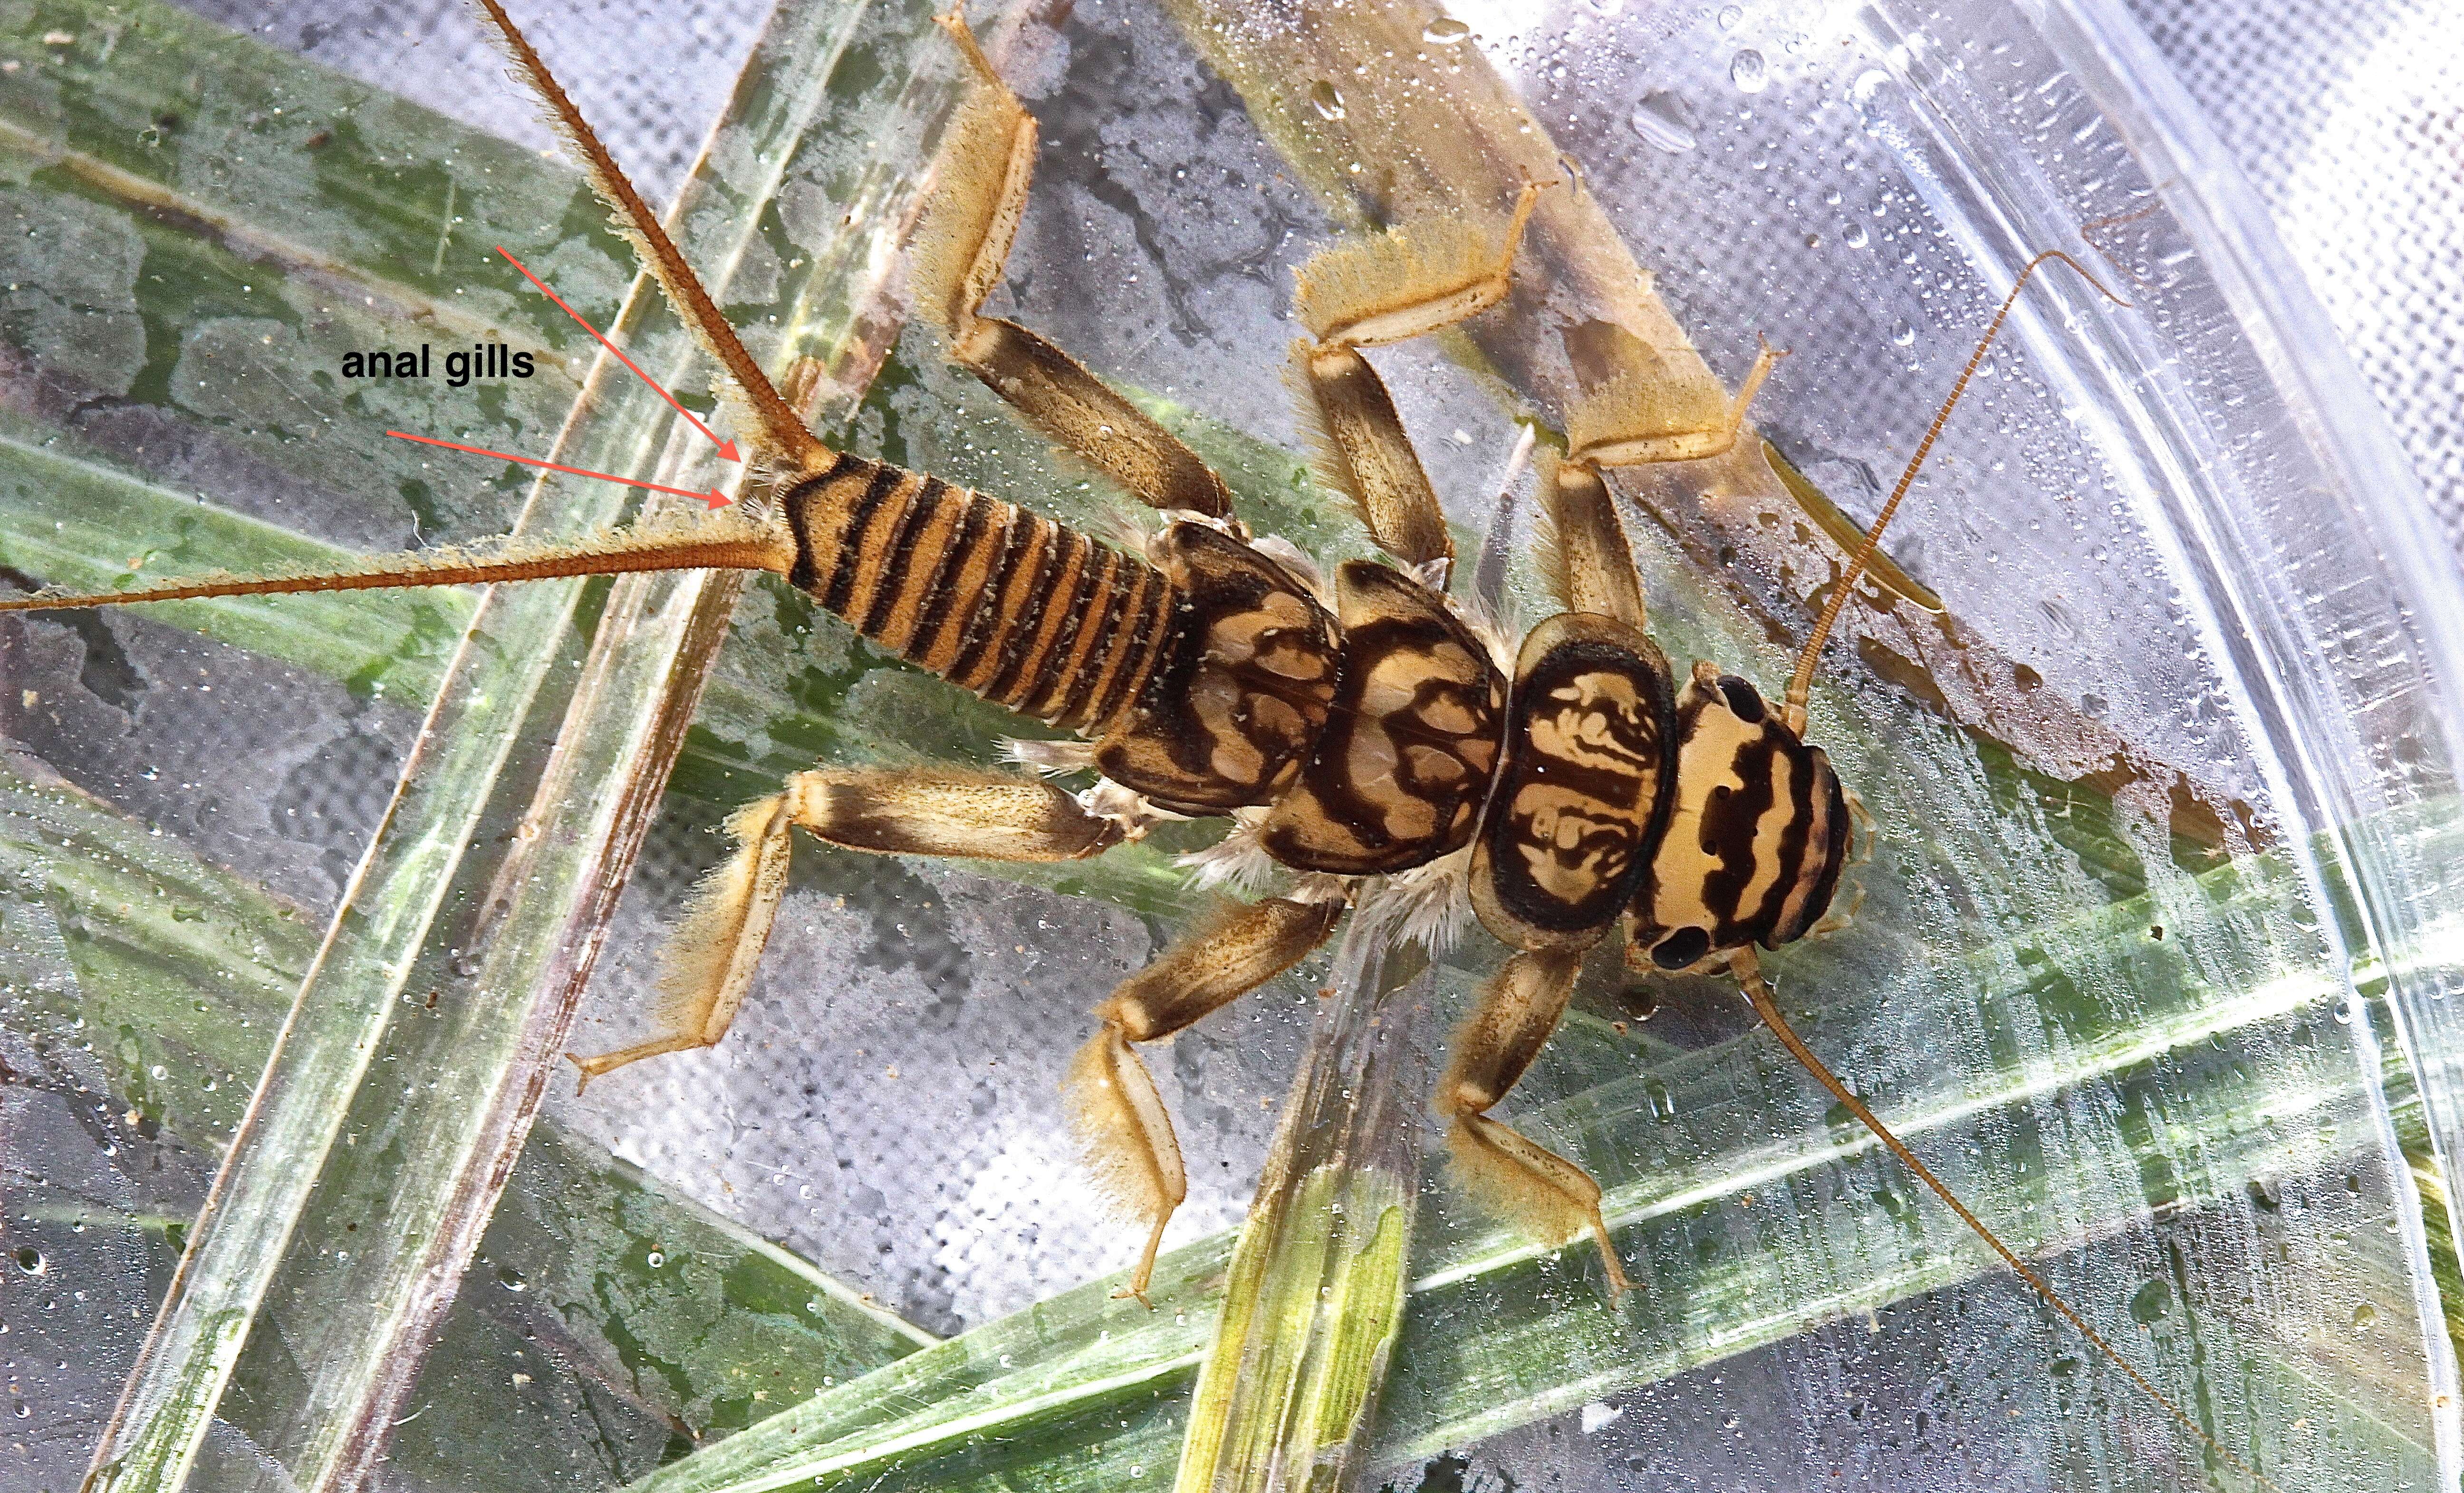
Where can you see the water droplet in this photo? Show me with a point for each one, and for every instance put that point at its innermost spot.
(1902, 335)
(1746, 71)
(1857, 237)
(2364, 1317)
(1445, 30)
(2148, 1306)
(511, 1278)
(1323, 97)
(1731, 15)
(1664, 119)
(30, 1260)
(159, 1071)
(656, 1258)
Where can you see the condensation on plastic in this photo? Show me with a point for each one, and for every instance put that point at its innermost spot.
(958, 1201)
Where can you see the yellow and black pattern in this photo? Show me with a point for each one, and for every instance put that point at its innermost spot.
(1405, 761)
(1231, 710)
(1023, 611)
(1585, 787)
(1756, 839)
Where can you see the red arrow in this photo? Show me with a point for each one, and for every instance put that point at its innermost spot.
(713, 498)
(726, 448)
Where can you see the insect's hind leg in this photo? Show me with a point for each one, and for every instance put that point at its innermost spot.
(1407, 282)
(1548, 1195)
(962, 247)
(1121, 1118)
(713, 954)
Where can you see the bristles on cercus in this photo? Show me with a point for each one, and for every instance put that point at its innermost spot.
(1640, 403)
(709, 960)
(1121, 1127)
(963, 195)
(1351, 281)
(669, 540)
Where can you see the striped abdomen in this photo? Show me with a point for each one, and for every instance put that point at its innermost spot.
(1029, 614)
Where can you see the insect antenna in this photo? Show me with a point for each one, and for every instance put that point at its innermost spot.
(728, 543)
(782, 430)
(1749, 975)
(1800, 685)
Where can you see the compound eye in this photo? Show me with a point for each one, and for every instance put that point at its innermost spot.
(1745, 701)
(1680, 948)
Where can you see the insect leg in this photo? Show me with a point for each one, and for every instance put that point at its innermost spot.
(1595, 567)
(1548, 1195)
(1120, 1116)
(713, 954)
(1647, 415)
(962, 245)
(1408, 282)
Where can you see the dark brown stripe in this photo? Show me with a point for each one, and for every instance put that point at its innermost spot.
(900, 547)
(1035, 633)
(1017, 574)
(974, 587)
(1153, 629)
(845, 564)
(1086, 668)
(798, 506)
(1114, 645)
(1095, 576)
(933, 608)
(1108, 654)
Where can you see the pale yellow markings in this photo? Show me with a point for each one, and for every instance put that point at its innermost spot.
(1583, 738)
(1214, 701)
(1279, 635)
(1558, 820)
(1579, 731)
(1766, 837)
(1706, 760)
(1373, 764)
(1390, 685)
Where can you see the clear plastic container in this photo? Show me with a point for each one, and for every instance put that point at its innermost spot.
(2149, 961)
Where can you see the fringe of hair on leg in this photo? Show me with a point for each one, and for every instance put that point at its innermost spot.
(711, 957)
(1354, 280)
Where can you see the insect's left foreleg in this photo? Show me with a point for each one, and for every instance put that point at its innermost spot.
(713, 954)
(1551, 1196)
(1121, 1118)
(1412, 281)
